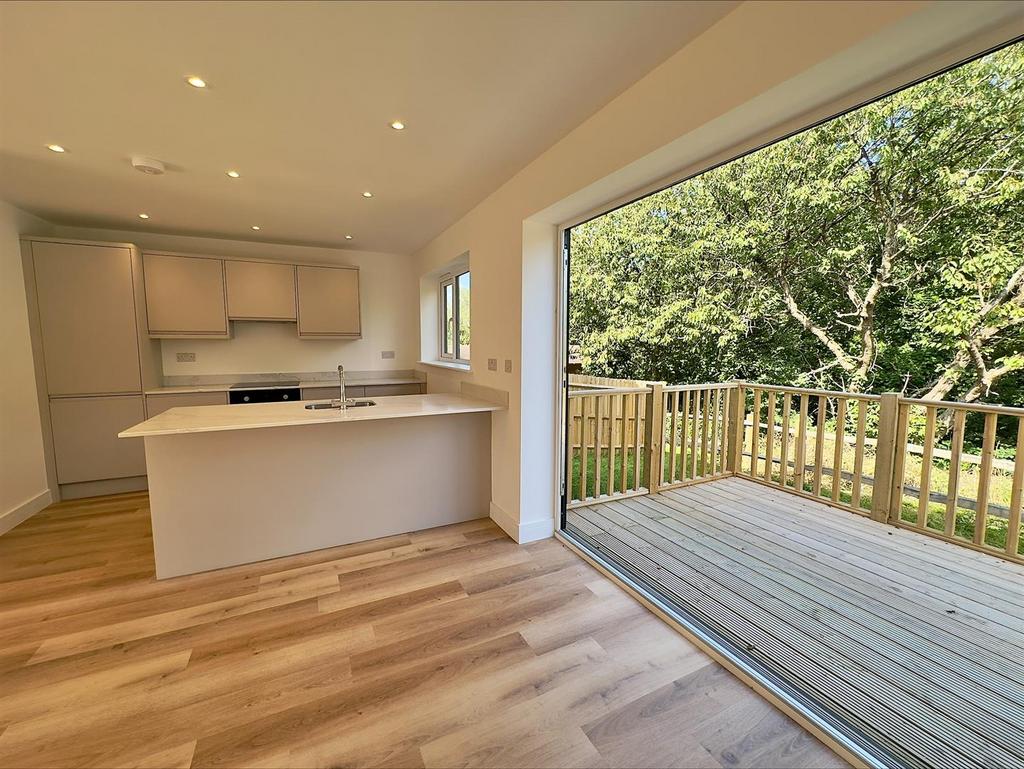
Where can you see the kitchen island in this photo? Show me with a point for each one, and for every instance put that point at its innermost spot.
(237, 484)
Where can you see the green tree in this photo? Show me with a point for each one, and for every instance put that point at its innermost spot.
(878, 251)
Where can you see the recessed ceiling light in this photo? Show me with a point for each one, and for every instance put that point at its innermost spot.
(55, 148)
(255, 226)
(195, 81)
(233, 174)
(143, 216)
(367, 194)
(398, 125)
(348, 237)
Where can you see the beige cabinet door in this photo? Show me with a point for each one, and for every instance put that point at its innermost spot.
(260, 290)
(85, 442)
(185, 296)
(328, 301)
(87, 318)
(158, 404)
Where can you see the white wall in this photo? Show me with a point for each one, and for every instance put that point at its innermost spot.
(388, 291)
(766, 68)
(23, 488)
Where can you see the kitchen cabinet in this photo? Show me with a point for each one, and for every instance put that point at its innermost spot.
(260, 290)
(185, 296)
(158, 404)
(85, 442)
(87, 319)
(328, 302)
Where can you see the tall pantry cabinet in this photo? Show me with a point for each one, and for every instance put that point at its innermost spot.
(92, 363)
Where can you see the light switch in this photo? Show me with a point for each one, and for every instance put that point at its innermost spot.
(492, 364)
(508, 365)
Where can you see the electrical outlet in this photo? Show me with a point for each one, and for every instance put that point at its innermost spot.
(492, 364)
(387, 354)
(508, 365)
(186, 357)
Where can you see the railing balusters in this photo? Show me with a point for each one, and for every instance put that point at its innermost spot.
(819, 445)
(800, 469)
(769, 446)
(858, 453)
(638, 409)
(693, 433)
(673, 400)
(684, 422)
(755, 434)
(899, 464)
(988, 446)
(613, 404)
(787, 400)
(926, 467)
(736, 421)
(953, 490)
(705, 412)
(598, 435)
(713, 456)
(1016, 489)
(837, 452)
(584, 420)
(624, 401)
(570, 446)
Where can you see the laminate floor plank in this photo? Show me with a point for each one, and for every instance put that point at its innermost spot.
(445, 647)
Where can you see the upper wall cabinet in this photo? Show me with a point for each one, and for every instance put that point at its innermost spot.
(328, 302)
(185, 296)
(86, 318)
(260, 290)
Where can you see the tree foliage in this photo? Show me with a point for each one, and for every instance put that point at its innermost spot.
(880, 251)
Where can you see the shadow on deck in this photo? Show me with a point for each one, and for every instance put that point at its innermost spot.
(915, 644)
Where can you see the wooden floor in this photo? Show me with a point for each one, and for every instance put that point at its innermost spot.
(451, 647)
(917, 643)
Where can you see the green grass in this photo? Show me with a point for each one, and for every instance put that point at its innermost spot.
(964, 521)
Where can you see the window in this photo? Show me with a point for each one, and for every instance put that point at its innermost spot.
(454, 318)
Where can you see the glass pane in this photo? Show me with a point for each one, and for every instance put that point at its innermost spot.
(463, 293)
(449, 319)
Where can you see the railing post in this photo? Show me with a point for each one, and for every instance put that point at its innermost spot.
(888, 417)
(654, 436)
(735, 432)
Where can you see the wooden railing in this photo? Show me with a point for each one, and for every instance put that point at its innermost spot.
(695, 433)
(850, 450)
(606, 431)
(810, 458)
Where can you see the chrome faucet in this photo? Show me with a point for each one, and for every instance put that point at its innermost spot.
(343, 405)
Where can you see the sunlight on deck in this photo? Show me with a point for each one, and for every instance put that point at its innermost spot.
(916, 643)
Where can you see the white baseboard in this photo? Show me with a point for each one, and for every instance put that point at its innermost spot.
(24, 511)
(531, 531)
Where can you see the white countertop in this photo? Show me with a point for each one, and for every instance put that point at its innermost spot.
(204, 419)
(224, 387)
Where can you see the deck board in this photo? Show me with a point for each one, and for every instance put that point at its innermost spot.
(916, 643)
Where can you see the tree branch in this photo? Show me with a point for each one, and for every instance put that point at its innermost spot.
(842, 358)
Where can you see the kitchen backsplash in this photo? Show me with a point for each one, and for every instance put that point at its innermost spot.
(257, 347)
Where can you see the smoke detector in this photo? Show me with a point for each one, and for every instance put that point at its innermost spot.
(150, 166)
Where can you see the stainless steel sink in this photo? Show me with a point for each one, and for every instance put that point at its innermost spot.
(335, 405)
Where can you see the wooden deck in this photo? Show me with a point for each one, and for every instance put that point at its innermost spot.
(914, 643)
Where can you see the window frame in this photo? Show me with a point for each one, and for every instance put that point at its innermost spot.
(451, 279)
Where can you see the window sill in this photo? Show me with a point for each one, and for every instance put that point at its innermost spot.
(445, 364)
